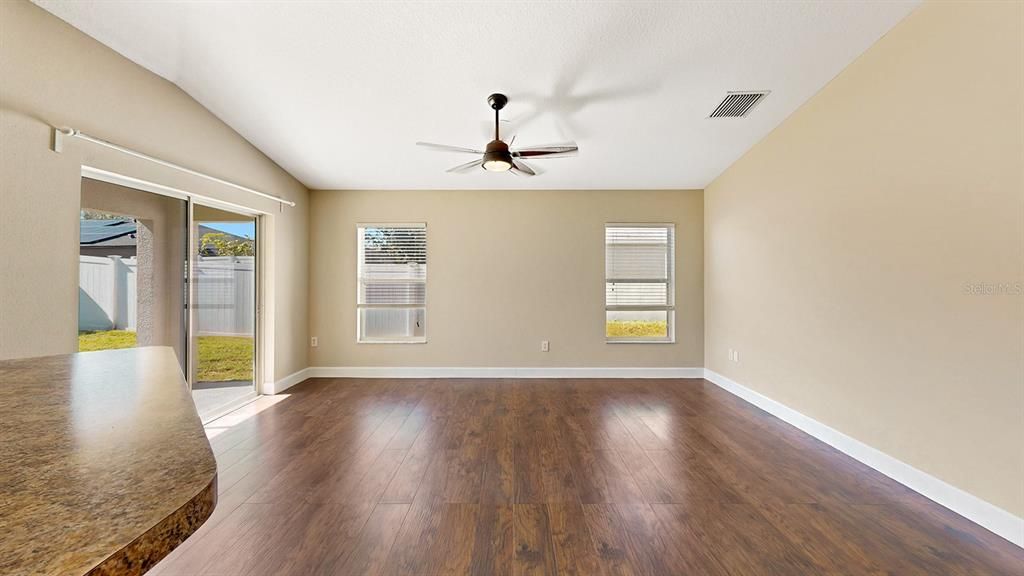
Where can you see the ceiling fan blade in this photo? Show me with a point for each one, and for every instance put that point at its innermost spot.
(448, 148)
(548, 150)
(556, 145)
(520, 168)
(540, 155)
(466, 167)
(487, 127)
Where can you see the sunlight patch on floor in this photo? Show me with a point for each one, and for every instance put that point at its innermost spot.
(235, 417)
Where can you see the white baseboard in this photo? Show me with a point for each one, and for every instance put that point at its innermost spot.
(982, 513)
(496, 372)
(288, 381)
(986, 515)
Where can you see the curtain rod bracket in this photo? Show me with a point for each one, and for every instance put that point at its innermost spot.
(58, 138)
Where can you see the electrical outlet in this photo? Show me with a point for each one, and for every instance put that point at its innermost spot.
(314, 341)
(735, 355)
(544, 346)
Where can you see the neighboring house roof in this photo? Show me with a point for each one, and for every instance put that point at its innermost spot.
(106, 232)
(121, 232)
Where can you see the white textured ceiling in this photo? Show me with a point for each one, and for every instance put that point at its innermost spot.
(338, 93)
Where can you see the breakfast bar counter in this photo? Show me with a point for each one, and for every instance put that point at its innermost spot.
(104, 464)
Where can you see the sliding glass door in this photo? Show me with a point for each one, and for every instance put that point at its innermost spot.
(160, 270)
(223, 286)
(132, 258)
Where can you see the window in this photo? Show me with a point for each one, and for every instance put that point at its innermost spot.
(392, 300)
(639, 282)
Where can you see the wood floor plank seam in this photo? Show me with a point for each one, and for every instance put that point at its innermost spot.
(557, 477)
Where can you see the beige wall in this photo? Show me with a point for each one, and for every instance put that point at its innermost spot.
(841, 249)
(506, 269)
(52, 74)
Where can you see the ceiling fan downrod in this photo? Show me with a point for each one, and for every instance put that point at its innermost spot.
(497, 102)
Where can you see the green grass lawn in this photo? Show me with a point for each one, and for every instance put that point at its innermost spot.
(105, 340)
(220, 357)
(225, 358)
(636, 329)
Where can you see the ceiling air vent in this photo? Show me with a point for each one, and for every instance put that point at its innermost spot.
(738, 104)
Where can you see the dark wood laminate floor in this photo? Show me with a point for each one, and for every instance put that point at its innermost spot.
(587, 477)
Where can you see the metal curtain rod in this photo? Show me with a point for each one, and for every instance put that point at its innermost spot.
(58, 144)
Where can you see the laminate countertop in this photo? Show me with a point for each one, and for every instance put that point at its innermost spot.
(104, 464)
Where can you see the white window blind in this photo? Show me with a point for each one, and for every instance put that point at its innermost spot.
(639, 282)
(392, 291)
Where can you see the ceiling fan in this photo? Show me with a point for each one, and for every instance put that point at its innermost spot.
(498, 156)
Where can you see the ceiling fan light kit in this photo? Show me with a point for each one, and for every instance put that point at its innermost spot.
(498, 156)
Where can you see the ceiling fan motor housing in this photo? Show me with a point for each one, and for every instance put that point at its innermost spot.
(497, 157)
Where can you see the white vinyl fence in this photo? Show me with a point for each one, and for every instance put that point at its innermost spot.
(224, 301)
(225, 295)
(106, 293)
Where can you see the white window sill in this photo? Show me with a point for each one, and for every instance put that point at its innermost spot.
(639, 341)
(391, 341)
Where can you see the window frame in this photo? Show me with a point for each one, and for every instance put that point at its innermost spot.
(670, 288)
(360, 226)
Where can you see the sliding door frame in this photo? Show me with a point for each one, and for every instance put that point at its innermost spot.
(261, 354)
(193, 297)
